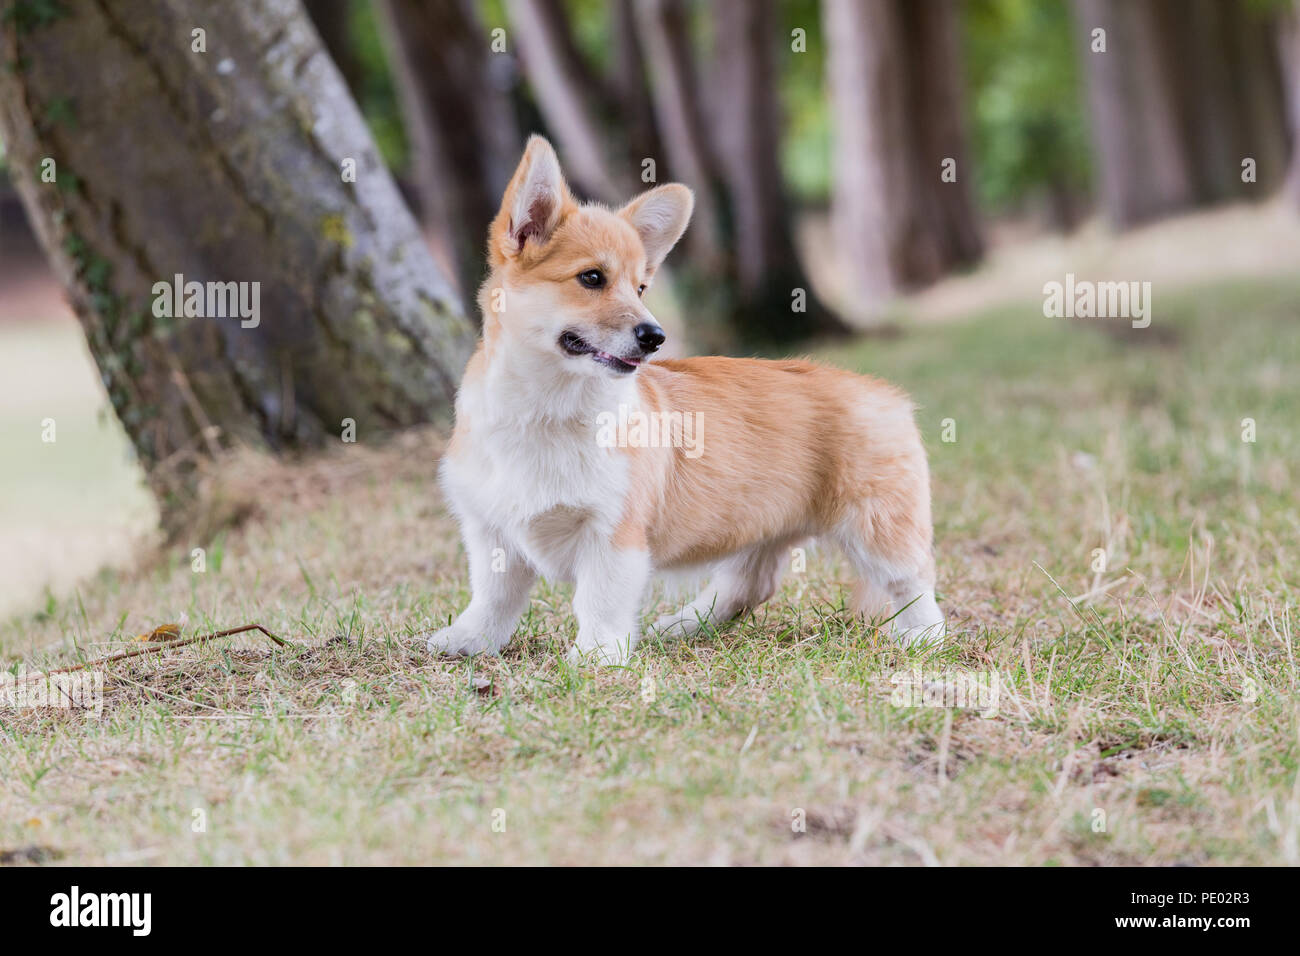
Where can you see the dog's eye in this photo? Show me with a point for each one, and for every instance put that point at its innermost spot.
(640, 290)
(592, 278)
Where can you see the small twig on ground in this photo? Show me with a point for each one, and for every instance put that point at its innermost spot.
(155, 648)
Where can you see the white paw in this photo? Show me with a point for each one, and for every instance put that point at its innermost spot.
(673, 627)
(687, 622)
(456, 641)
(921, 637)
(602, 655)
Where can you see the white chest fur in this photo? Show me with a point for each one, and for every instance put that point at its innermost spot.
(531, 468)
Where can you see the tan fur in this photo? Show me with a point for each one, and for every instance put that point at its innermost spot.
(793, 448)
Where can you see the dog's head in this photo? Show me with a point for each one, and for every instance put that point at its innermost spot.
(568, 279)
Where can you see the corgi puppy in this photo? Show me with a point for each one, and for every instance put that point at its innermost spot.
(556, 466)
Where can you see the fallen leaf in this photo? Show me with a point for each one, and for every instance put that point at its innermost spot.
(163, 632)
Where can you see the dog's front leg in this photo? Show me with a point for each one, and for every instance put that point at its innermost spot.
(500, 579)
(607, 602)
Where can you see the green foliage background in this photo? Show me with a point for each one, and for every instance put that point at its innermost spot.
(1025, 93)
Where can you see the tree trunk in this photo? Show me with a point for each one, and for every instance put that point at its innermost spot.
(865, 78)
(459, 119)
(1143, 169)
(628, 84)
(745, 119)
(1186, 90)
(949, 235)
(676, 99)
(224, 166)
(573, 98)
(1223, 69)
(771, 297)
(603, 123)
(895, 81)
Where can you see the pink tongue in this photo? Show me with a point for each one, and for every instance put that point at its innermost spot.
(612, 358)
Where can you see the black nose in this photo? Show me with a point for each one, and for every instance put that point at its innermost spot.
(649, 336)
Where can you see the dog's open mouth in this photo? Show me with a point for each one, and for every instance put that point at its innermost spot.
(574, 344)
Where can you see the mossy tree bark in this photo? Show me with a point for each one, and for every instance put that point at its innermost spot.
(220, 156)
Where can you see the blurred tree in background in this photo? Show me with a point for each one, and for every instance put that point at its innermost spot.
(1181, 93)
(902, 208)
(459, 122)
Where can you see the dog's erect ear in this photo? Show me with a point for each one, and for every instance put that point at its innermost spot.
(535, 201)
(660, 217)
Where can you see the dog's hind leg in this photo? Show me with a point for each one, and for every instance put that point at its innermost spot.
(895, 569)
(739, 583)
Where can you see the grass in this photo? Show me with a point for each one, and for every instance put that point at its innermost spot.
(1147, 712)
